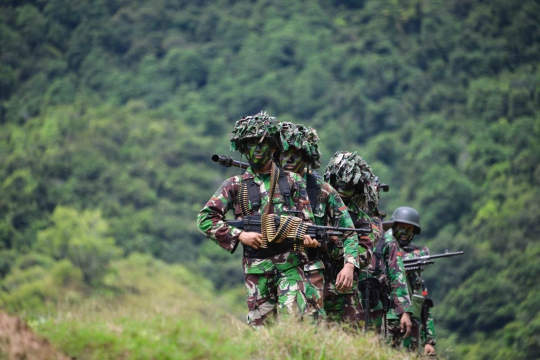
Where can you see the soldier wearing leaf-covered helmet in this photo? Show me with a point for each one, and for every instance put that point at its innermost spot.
(353, 178)
(339, 178)
(274, 275)
(302, 157)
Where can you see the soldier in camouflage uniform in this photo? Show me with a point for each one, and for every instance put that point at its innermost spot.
(273, 273)
(344, 173)
(302, 156)
(355, 182)
(406, 225)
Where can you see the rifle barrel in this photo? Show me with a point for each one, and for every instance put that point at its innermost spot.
(228, 161)
(448, 254)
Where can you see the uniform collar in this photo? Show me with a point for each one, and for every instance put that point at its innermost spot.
(250, 174)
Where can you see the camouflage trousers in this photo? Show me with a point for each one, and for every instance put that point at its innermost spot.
(342, 308)
(315, 283)
(397, 340)
(281, 292)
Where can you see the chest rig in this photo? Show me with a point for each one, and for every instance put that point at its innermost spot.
(249, 193)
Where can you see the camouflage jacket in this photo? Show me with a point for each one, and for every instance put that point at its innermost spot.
(417, 287)
(211, 219)
(331, 211)
(392, 271)
(365, 242)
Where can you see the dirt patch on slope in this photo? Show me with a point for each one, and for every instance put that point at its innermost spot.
(19, 342)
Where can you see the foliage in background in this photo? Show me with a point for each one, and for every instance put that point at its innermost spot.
(116, 106)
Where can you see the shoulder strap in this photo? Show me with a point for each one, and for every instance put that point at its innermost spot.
(354, 216)
(379, 253)
(284, 187)
(253, 194)
(312, 189)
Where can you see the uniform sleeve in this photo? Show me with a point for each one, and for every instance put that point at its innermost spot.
(211, 219)
(398, 280)
(337, 210)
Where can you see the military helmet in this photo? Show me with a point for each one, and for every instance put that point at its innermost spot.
(407, 215)
(256, 126)
(349, 166)
(304, 138)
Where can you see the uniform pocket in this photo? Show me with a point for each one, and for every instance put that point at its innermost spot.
(417, 302)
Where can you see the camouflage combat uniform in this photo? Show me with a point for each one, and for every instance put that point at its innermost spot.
(345, 306)
(327, 206)
(274, 282)
(418, 289)
(331, 210)
(393, 273)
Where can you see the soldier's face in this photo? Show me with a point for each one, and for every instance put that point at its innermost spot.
(257, 153)
(345, 189)
(403, 232)
(293, 160)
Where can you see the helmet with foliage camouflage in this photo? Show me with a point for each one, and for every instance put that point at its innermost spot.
(351, 167)
(256, 126)
(304, 138)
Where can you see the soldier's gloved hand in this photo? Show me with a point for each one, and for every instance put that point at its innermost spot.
(345, 278)
(429, 350)
(309, 242)
(406, 324)
(252, 239)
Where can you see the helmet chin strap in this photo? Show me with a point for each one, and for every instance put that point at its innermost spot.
(404, 243)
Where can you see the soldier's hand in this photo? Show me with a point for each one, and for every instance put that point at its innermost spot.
(252, 239)
(345, 278)
(309, 242)
(334, 238)
(406, 324)
(429, 350)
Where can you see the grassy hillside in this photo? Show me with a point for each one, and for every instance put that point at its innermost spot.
(109, 111)
(166, 312)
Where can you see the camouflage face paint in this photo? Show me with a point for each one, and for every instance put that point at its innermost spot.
(345, 189)
(258, 154)
(403, 233)
(293, 160)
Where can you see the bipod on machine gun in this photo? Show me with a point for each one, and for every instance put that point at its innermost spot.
(419, 263)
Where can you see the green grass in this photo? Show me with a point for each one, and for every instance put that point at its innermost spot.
(165, 312)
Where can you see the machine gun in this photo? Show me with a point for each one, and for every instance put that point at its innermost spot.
(228, 161)
(385, 188)
(381, 186)
(254, 223)
(420, 263)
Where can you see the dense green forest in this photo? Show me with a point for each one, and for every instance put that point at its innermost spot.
(110, 111)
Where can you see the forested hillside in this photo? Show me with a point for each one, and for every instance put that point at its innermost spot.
(110, 111)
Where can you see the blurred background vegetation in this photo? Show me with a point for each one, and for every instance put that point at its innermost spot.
(110, 111)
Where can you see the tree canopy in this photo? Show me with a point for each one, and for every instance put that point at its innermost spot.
(111, 109)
